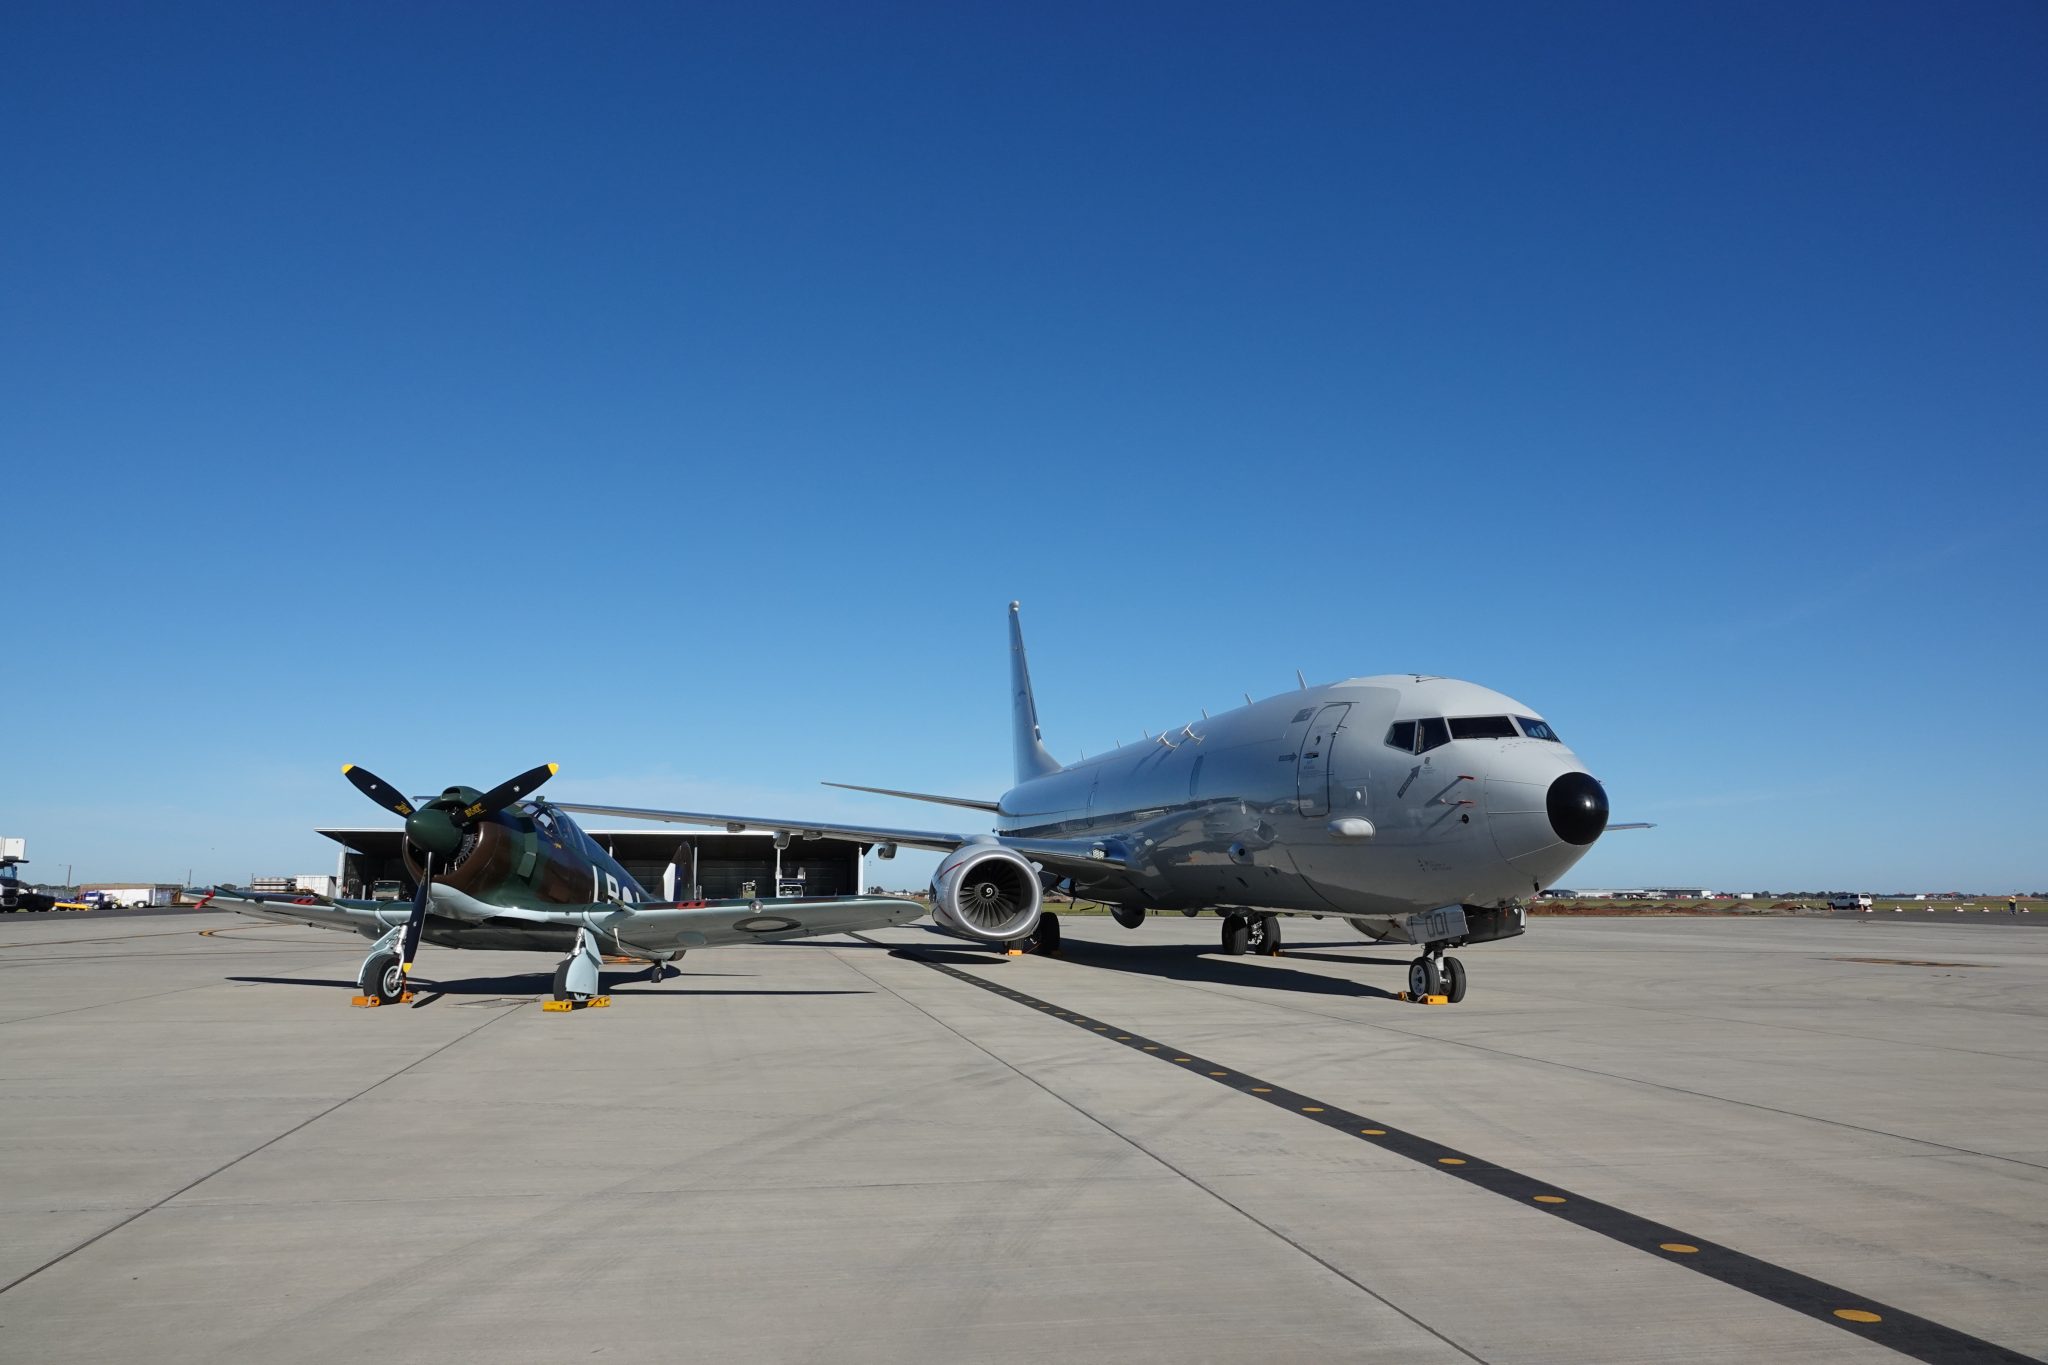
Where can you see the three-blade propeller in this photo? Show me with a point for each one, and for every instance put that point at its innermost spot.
(437, 828)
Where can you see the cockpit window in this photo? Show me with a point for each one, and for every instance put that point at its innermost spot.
(1430, 733)
(1401, 735)
(1538, 729)
(1482, 727)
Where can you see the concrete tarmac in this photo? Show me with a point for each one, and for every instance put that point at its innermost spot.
(838, 1151)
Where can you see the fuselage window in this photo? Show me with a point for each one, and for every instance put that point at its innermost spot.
(1401, 735)
(1430, 733)
(1538, 729)
(1482, 727)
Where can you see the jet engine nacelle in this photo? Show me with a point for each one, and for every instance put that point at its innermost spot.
(987, 893)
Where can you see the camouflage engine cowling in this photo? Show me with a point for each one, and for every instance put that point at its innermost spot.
(987, 893)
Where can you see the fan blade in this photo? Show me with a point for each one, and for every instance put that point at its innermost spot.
(377, 789)
(505, 793)
(410, 944)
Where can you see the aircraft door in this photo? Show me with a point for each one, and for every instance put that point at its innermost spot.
(1312, 769)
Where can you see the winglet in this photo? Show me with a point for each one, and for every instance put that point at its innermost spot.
(1031, 758)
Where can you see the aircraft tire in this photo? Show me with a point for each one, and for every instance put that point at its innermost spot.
(1047, 939)
(1454, 980)
(1236, 935)
(1262, 935)
(561, 986)
(1423, 979)
(382, 978)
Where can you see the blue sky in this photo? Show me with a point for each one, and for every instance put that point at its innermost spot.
(680, 394)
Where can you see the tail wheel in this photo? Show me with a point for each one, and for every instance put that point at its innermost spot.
(1423, 978)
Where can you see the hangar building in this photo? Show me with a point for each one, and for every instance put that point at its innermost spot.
(668, 862)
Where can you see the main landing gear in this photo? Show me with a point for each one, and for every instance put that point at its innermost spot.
(382, 979)
(1044, 940)
(577, 977)
(1435, 974)
(1251, 934)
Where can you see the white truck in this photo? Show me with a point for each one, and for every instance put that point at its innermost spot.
(1847, 901)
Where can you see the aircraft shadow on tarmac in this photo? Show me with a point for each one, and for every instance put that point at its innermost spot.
(536, 984)
(1195, 962)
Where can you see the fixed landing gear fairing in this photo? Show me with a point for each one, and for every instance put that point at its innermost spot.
(1422, 810)
(505, 870)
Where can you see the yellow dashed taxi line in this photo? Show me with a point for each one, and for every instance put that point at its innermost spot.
(1903, 1332)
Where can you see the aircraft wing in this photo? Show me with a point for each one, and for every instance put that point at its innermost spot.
(866, 834)
(1064, 855)
(321, 912)
(659, 928)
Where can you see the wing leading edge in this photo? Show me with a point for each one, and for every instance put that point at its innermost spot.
(1066, 856)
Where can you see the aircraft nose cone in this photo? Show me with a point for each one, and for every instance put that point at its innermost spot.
(1578, 808)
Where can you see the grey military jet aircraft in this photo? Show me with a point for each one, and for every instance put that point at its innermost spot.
(494, 870)
(1423, 810)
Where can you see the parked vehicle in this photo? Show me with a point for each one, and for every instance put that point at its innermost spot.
(16, 898)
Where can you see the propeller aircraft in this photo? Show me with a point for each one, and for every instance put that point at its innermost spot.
(502, 869)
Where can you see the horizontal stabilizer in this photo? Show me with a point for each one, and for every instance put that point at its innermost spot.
(968, 802)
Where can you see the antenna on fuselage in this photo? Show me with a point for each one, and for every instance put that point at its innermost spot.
(1247, 699)
(1303, 681)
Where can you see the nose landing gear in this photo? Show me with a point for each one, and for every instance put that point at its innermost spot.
(1433, 974)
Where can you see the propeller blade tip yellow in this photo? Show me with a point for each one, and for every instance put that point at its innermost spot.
(348, 767)
(554, 768)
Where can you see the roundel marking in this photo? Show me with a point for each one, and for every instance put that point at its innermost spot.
(764, 924)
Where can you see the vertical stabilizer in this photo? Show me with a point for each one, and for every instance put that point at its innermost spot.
(1031, 758)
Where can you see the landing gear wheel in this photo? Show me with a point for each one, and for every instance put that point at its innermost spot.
(383, 978)
(659, 973)
(1423, 979)
(1454, 980)
(1236, 935)
(1262, 935)
(562, 980)
(1046, 942)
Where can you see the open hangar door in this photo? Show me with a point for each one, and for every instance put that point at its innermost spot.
(723, 865)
